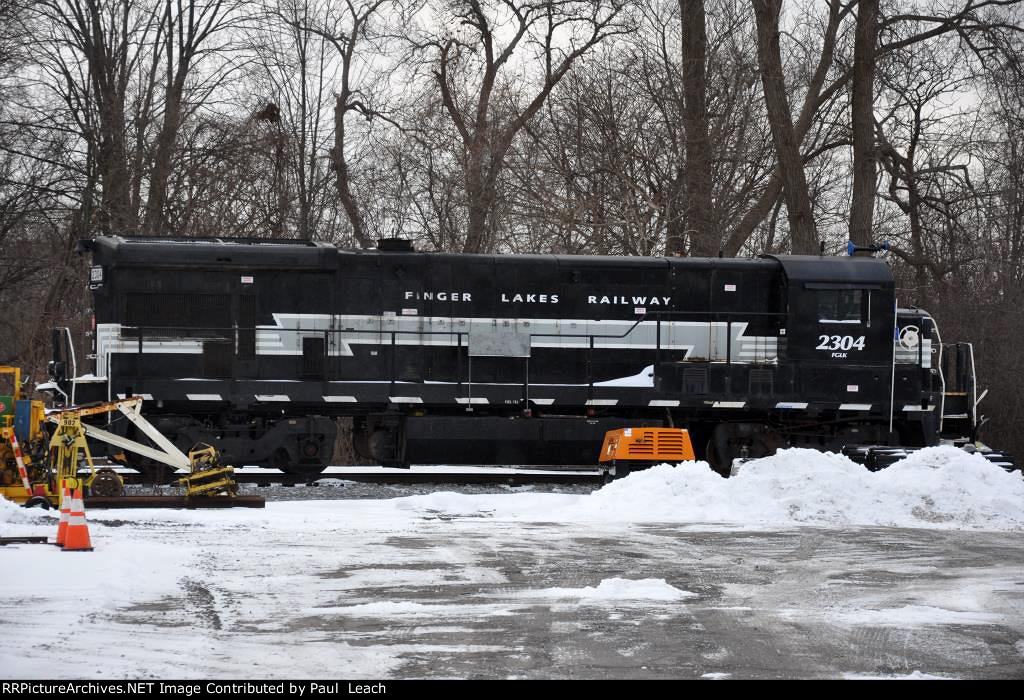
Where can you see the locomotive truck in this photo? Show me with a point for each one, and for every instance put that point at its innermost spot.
(259, 347)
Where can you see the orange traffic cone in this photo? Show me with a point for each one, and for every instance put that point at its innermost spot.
(78, 532)
(65, 512)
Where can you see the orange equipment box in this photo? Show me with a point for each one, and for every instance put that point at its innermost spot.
(647, 445)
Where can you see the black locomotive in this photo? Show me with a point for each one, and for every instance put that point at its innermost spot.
(258, 347)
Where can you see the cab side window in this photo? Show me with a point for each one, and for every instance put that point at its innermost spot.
(841, 305)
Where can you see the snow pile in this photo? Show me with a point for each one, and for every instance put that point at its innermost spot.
(936, 487)
(617, 589)
(14, 514)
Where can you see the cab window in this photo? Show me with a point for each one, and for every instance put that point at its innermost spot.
(841, 305)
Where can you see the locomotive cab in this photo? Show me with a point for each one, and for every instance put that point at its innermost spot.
(839, 311)
(839, 333)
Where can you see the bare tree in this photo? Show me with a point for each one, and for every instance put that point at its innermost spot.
(475, 70)
(602, 168)
(95, 48)
(787, 141)
(862, 123)
(926, 146)
(296, 73)
(898, 27)
(187, 27)
(738, 139)
(349, 29)
(697, 173)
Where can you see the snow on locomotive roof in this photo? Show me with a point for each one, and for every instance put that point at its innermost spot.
(213, 240)
(135, 248)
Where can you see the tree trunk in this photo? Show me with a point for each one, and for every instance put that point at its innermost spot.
(862, 206)
(481, 193)
(675, 213)
(156, 222)
(704, 238)
(342, 177)
(787, 146)
(754, 216)
(118, 216)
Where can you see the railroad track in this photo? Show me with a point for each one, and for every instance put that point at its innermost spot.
(511, 476)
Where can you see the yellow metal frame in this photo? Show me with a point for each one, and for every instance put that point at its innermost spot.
(65, 445)
(16, 371)
(17, 492)
(69, 444)
(208, 478)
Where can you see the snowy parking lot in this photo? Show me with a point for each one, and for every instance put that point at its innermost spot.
(803, 565)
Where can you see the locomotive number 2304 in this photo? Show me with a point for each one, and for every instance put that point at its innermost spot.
(840, 342)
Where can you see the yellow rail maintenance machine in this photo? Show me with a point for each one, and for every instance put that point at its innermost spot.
(34, 466)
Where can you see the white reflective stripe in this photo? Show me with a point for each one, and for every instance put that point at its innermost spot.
(470, 400)
(543, 402)
(22, 472)
(917, 407)
(144, 397)
(855, 407)
(76, 519)
(405, 399)
(661, 402)
(272, 397)
(340, 399)
(729, 404)
(602, 402)
(203, 397)
(797, 405)
(705, 339)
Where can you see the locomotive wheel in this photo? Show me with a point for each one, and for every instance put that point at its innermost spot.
(107, 484)
(37, 502)
(381, 444)
(282, 460)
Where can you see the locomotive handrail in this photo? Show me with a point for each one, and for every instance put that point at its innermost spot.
(229, 334)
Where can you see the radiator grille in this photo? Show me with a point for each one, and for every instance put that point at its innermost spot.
(695, 380)
(182, 314)
(667, 445)
(762, 382)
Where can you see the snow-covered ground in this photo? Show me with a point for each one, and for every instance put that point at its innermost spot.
(801, 565)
